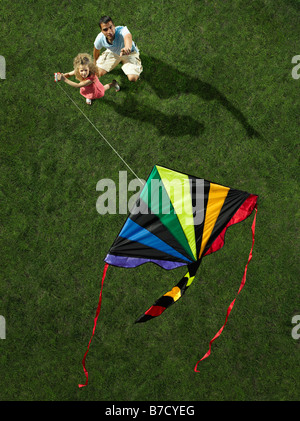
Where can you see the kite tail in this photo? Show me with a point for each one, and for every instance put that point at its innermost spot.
(232, 303)
(170, 297)
(94, 328)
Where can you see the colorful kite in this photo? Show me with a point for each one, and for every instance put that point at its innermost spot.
(177, 220)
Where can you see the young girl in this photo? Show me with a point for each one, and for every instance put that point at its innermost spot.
(86, 72)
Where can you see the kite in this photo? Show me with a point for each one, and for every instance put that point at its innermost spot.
(177, 220)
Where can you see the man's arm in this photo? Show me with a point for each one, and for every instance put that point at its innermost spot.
(96, 54)
(127, 45)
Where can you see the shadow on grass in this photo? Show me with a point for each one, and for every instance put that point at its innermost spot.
(170, 125)
(167, 81)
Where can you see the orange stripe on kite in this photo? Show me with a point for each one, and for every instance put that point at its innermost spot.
(175, 293)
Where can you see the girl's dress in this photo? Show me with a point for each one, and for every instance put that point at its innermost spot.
(94, 90)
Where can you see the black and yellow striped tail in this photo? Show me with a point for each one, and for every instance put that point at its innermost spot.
(170, 297)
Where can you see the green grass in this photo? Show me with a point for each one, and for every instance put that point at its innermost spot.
(216, 100)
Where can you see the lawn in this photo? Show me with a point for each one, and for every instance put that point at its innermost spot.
(216, 100)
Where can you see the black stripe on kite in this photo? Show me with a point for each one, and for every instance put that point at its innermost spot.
(128, 248)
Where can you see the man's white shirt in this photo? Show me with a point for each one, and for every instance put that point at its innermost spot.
(118, 42)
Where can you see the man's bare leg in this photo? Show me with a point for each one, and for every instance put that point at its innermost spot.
(133, 78)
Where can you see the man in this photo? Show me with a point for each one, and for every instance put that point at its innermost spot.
(119, 49)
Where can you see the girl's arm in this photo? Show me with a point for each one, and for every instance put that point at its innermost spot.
(72, 73)
(74, 84)
(96, 54)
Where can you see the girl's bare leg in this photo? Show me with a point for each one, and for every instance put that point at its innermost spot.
(114, 84)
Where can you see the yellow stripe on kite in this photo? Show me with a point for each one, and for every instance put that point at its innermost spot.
(190, 280)
(216, 197)
(177, 186)
(175, 293)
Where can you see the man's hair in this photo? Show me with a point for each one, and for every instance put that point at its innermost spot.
(105, 19)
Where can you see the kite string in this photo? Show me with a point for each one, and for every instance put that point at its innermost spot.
(94, 328)
(115, 151)
(232, 304)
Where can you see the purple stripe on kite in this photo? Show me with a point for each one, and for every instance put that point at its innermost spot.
(132, 262)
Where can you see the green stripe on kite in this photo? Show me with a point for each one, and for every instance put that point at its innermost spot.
(164, 209)
(177, 186)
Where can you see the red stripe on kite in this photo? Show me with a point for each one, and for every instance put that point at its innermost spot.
(155, 311)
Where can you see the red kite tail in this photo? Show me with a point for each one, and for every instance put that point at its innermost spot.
(94, 328)
(232, 304)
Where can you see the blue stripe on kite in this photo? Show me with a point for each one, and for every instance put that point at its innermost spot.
(135, 232)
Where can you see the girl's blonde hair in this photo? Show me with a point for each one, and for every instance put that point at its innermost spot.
(84, 59)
